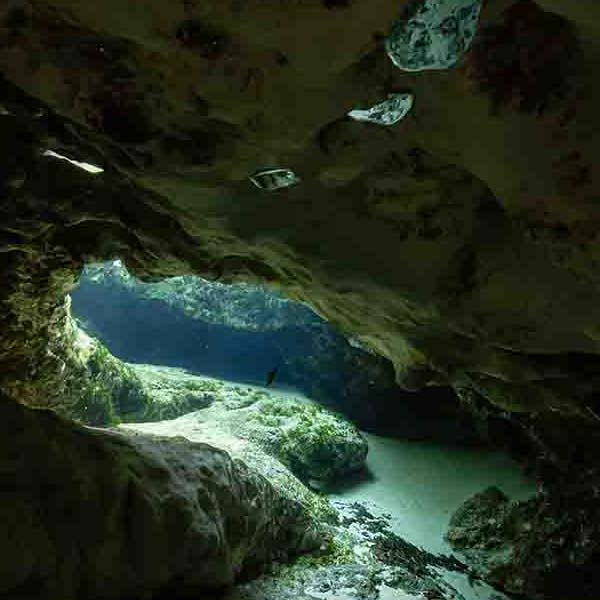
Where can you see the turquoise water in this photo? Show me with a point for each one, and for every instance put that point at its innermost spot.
(422, 483)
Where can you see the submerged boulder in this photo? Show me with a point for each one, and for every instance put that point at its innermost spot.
(108, 515)
(317, 445)
(479, 529)
(541, 548)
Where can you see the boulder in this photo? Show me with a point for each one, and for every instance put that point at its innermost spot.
(317, 445)
(89, 513)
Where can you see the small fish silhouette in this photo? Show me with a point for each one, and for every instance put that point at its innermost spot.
(271, 376)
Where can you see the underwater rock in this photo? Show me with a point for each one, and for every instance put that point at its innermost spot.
(173, 392)
(466, 245)
(386, 113)
(95, 514)
(97, 388)
(434, 34)
(363, 560)
(544, 547)
(317, 445)
(193, 323)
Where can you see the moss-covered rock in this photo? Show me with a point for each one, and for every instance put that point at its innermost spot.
(316, 444)
(98, 388)
(173, 392)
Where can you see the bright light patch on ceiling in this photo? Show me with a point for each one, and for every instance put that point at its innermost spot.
(389, 112)
(82, 165)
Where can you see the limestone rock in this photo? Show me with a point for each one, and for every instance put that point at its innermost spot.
(541, 548)
(98, 388)
(464, 248)
(174, 392)
(91, 513)
(316, 445)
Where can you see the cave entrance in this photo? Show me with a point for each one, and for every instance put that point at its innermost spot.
(247, 370)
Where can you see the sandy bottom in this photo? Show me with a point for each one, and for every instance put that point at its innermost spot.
(421, 484)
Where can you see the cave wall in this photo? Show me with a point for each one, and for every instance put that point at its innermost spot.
(462, 243)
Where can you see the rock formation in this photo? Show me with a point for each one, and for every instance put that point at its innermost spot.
(461, 243)
(318, 446)
(96, 514)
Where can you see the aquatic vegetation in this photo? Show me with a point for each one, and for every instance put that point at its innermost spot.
(99, 389)
(317, 445)
(174, 392)
(433, 34)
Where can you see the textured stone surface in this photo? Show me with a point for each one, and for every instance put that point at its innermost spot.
(97, 388)
(416, 240)
(461, 243)
(528, 547)
(96, 514)
(318, 446)
(234, 332)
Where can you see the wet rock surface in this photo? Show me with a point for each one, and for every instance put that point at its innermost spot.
(318, 446)
(91, 513)
(461, 243)
(365, 561)
(433, 34)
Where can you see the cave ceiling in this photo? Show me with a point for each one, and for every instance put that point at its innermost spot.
(461, 242)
